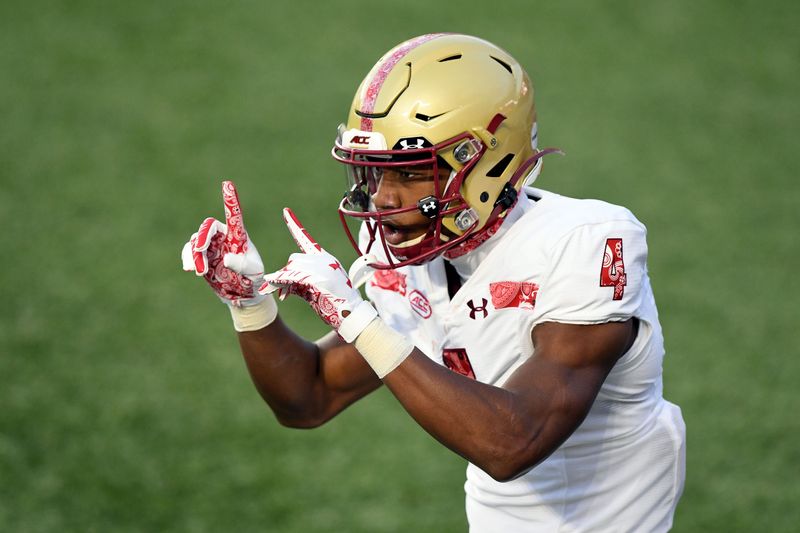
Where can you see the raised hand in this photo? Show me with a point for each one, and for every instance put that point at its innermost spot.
(224, 255)
(319, 278)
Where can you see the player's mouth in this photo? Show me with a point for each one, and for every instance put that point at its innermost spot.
(396, 234)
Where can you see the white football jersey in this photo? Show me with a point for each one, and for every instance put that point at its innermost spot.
(555, 259)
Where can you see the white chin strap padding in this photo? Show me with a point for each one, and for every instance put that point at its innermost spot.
(533, 174)
(449, 181)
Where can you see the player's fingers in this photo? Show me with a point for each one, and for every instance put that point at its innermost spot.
(243, 264)
(200, 261)
(285, 276)
(207, 230)
(301, 236)
(282, 290)
(237, 235)
(187, 258)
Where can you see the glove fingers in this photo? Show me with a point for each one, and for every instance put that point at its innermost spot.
(287, 277)
(301, 236)
(205, 234)
(235, 262)
(248, 263)
(210, 227)
(236, 236)
(186, 254)
(285, 281)
(268, 287)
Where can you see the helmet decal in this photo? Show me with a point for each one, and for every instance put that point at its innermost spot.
(376, 84)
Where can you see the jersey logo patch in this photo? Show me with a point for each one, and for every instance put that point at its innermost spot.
(612, 272)
(457, 360)
(475, 309)
(520, 294)
(420, 304)
(389, 280)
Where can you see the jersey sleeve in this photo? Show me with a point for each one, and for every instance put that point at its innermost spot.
(597, 274)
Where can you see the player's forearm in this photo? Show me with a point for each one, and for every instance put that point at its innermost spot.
(284, 369)
(304, 383)
(487, 425)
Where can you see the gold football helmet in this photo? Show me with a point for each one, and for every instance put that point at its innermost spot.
(441, 100)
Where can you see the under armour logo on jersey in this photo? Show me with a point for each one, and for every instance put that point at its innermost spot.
(473, 309)
(429, 206)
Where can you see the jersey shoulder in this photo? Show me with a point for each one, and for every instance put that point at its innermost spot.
(590, 257)
(555, 216)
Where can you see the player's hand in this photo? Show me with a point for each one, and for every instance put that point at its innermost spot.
(224, 255)
(319, 278)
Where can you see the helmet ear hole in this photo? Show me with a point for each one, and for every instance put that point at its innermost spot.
(500, 167)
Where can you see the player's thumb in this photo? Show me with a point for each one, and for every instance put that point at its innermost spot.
(245, 264)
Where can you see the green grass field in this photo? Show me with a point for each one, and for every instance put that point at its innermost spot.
(124, 403)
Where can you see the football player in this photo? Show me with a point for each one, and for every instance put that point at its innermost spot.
(515, 325)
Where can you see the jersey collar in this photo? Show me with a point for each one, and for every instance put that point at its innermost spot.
(466, 264)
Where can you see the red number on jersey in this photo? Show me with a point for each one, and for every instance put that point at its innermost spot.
(612, 272)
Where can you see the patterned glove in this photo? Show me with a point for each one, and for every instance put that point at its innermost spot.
(224, 255)
(319, 278)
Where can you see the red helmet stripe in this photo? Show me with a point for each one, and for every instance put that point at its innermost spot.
(375, 85)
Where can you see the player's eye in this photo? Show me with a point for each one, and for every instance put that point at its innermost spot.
(414, 175)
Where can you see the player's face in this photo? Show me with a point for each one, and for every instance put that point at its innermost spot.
(400, 187)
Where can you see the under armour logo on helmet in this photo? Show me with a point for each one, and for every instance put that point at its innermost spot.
(406, 144)
(473, 309)
(429, 206)
(412, 143)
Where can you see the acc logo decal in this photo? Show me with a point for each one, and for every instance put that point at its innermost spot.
(389, 280)
(612, 272)
(360, 139)
(420, 304)
(520, 294)
(457, 360)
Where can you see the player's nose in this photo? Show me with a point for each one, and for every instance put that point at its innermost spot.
(388, 195)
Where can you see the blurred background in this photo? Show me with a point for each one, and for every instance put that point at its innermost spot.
(124, 402)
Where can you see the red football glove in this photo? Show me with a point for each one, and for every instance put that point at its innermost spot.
(319, 278)
(224, 255)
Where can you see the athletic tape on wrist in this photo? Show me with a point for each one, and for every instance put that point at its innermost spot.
(358, 319)
(382, 347)
(256, 316)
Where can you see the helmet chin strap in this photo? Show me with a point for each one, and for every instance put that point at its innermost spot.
(533, 174)
(506, 199)
(453, 174)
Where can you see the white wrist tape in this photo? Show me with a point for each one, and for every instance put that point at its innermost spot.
(382, 347)
(254, 317)
(358, 319)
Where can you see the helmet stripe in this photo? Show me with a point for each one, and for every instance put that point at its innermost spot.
(375, 85)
